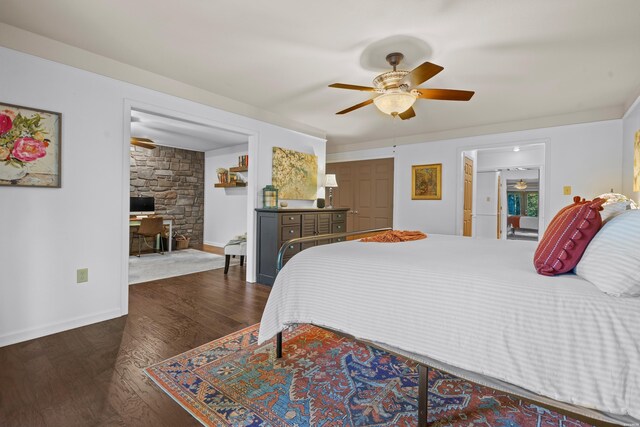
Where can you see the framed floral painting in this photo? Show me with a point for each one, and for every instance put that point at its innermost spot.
(426, 182)
(30, 147)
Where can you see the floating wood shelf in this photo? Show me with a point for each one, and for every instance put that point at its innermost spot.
(239, 169)
(230, 184)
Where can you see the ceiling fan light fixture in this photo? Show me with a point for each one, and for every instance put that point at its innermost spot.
(520, 185)
(394, 102)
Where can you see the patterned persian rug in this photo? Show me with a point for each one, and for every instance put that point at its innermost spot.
(327, 380)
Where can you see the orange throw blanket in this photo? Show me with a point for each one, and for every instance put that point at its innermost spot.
(395, 236)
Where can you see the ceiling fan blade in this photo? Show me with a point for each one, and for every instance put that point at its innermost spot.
(352, 87)
(421, 74)
(355, 107)
(143, 142)
(407, 114)
(446, 94)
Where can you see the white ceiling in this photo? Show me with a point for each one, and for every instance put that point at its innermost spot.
(172, 132)
(525, 59)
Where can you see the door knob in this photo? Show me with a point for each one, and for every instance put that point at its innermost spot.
(355, 212)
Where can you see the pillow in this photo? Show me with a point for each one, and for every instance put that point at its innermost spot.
(567, 237)
(612, 260)
(614, 205)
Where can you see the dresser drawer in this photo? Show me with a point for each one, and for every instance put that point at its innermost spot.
(292, 250)
(340, 216)
(290, 219)
(290, 232)
(339, 227)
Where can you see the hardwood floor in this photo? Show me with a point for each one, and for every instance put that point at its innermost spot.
(92, 376)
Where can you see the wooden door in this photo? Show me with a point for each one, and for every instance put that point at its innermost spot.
(468, 197)
(367, 191)
(343, 195)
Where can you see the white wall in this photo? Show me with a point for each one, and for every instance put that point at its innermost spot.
(224, 208)
(584, 156)
(532, 155)
(631, 124)
(49, 233)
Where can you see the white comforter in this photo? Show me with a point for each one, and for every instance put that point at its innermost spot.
(475, 304)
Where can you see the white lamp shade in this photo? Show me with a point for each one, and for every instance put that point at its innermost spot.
(393, 103)
(330, 180)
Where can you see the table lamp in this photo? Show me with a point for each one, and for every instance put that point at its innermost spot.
(330, 183)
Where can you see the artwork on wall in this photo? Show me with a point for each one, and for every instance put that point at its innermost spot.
(426, 182)
(295, 174)
(29, 147)
(636, 162)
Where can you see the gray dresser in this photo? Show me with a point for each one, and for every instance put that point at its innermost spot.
(276, 226)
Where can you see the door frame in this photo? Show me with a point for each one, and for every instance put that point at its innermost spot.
(460, 178)
(252, 189)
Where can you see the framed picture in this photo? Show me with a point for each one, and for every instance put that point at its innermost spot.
(426, 182)
(30, 144)
(294, 174)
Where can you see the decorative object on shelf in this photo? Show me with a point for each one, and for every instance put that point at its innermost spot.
(283, 204)
(223, 175)
(426, 182)
(636, 162)
(520, 185)
(29, 146)
(295, 174)
(270, 197)
(330, 183)
(243, 161)
(320, 203)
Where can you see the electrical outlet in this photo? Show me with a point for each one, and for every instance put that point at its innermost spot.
(566, 190)
(82, 275)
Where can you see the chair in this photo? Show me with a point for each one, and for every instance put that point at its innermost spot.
(149, 227)
(238, 246)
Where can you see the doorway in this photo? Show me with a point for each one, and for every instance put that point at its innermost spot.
(366, 188)
(506, 184)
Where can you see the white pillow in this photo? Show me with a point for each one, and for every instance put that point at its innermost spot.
(612, 259)
(612, 209)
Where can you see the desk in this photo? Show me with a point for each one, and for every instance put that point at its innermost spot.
(135, 222)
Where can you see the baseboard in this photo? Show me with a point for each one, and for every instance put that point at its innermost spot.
(216, 244)
(54, 328)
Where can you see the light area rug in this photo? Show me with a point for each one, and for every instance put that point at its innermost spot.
(177, 263)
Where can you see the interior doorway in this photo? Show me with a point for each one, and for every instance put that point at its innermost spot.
(506, 184)
(366, 188)
(173, 166)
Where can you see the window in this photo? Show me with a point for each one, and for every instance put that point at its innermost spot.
(513, 203)
(532, 204)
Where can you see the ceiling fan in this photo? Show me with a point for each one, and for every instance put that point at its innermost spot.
(143, 142)
(399, 90)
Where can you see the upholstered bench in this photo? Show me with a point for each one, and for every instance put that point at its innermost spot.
(234, 248)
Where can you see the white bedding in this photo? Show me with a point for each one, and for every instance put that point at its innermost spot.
(473, 304)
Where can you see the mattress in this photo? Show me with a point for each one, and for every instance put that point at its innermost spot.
(474, 305)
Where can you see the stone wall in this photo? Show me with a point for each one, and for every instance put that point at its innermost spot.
(175, 178)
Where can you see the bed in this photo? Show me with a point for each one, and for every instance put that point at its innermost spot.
(476, 309)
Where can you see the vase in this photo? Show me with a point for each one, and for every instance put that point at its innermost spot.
(12, 173)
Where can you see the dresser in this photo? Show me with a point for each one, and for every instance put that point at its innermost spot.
(276, 226)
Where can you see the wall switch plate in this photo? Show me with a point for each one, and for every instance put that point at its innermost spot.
(566, 190)
(82, 275)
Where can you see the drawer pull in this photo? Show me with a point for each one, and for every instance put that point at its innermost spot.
(290, 218)
(291, 231)
(339, 227)
(290, 246)
(339, 216)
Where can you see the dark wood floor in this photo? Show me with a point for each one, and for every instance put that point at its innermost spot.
(93, 375)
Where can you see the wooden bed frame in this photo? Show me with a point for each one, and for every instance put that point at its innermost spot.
(423, 369)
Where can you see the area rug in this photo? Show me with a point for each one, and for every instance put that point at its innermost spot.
(176, 263)
(327, 380)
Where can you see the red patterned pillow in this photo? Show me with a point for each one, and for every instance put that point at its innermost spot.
(567, 237)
